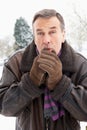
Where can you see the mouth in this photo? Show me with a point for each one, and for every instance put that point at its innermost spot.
(48, 49)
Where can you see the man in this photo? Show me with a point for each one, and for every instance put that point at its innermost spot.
(45, 86)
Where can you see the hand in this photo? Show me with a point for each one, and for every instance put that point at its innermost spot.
(37, 75)
(50, 63)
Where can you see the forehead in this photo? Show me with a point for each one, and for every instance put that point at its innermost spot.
(46, 22)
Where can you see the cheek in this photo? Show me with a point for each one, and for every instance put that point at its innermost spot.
(57, 46)
(38, 41)
(60, 38)
(38, 45)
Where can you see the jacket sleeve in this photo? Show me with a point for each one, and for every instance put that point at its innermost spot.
(15, 95)
(72, 93)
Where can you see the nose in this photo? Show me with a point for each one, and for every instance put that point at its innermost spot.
(46, 39)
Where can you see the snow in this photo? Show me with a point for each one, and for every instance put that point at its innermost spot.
(7, 123)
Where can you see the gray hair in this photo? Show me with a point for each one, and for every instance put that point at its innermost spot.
(47, 13)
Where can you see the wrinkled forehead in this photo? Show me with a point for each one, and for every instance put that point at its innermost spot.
(46, 24)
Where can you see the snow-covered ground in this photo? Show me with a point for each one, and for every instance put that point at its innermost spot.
(8, 123)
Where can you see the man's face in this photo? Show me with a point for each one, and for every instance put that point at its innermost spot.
(48, 34)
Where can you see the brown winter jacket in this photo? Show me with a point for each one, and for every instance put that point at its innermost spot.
(20, 98)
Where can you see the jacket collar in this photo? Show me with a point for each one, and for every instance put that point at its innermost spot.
(67, 57)
(28, 57)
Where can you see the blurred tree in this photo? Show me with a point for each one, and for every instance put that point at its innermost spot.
(22, 33)
(6, 46)
(77, 33)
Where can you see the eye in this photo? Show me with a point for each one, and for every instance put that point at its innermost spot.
(40, 33)
(52, 32)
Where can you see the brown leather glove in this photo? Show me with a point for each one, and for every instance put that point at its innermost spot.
(50, 63)
(37, 75)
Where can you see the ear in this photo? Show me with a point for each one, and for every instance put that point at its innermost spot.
(63, 36)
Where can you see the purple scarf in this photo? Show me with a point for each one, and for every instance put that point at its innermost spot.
(52, 108)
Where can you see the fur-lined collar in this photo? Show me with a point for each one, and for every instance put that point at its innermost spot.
(28, 57)
(67, 57)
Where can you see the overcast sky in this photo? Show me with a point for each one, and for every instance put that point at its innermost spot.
(10, 10)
